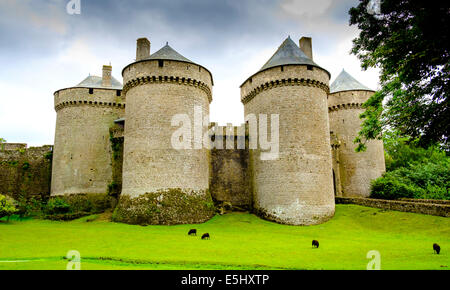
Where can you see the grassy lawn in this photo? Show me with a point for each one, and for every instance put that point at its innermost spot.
(238, 241)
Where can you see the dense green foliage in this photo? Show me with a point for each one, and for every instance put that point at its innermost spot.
(238, 241)
(411, 47)
(6, 207)
(57, 206)
(421, 180)
(403, 152)
(63, 207)
(412, 171)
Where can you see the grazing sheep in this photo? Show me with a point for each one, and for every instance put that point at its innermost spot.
(192, 232)
(206, 237)
(315, 243)
(436, 248)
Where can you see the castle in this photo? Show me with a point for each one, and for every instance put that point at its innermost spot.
(114, 139)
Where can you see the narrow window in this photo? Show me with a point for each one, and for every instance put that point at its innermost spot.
(282, 68)
(160, 63)
(91, 91)
(309, 67)
(250, 80)
(334, 183)
(118, 93)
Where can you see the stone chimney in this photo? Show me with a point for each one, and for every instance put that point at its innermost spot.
(142, 49)
(106, 76)
(306, 46)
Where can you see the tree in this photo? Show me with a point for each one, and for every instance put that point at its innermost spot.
(404, 152)
(6, 207)
(410, 45)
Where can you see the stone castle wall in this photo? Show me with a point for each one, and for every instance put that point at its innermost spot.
(434, 207)
(231, 180)
(355, 170)
(297, 188)
(25, 172)
(82, 153)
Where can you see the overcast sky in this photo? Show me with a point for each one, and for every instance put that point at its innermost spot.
(43, 48)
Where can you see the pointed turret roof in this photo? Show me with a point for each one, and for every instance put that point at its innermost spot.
(96, 83)
(168, 53)
(288, 53)
(345, 82)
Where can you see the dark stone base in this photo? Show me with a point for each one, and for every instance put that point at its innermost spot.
(167, 207)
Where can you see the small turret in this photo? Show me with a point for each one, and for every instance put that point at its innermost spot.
(353, 171)
(82, 152)
(156, 175)
(297, 187)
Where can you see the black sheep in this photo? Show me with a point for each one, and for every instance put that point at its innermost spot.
(315, 243)
(192, 232)
(206, 236)
(436, 248)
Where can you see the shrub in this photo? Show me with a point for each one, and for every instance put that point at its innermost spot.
(390, 187)
(56, 206)
(7, 207)
(421, 180)
(31, 206)
(69, 207)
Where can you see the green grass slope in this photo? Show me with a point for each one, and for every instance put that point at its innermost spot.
(238, 241)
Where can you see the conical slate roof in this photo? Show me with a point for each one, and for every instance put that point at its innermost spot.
(345, 82)
(168, 53)
(288, 53)
(96, 83)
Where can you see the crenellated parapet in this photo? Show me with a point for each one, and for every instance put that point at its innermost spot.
(166, 72)
(284, 76)
(348, 106)
(348, 99)
(284, 82)
(168, 79)
(73, 97)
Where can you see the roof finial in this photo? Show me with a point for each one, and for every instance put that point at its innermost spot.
(167, 43)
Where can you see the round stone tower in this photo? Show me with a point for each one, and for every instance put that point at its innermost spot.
(82, 152)
(163, 185)
(356, 170)
(297, 187)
